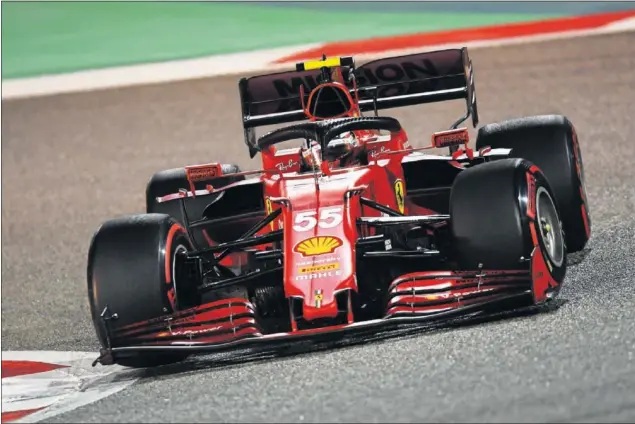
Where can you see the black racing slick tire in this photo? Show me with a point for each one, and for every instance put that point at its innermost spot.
(500, 212)
(131, 267)
(551, 143)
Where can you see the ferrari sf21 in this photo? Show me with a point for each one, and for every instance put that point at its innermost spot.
(347, 225)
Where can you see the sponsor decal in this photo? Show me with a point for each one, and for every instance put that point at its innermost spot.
(318, 275)
(377, 152)
(449, 138)
(319, 268)
(399, 196)
(392, 76)
(189, 332)
(318, 245)
(287, 166)
(203, 172)
(318, 261)
(531, 196)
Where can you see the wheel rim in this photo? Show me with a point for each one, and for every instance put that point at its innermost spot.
(549, 226)
(180, 249)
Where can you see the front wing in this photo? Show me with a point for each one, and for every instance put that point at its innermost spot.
(421, 297)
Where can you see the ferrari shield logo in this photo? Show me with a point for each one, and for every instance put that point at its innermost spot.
(269, 209)
(399, 196)
(318, 298)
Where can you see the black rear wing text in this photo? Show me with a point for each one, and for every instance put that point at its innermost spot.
(398, 81)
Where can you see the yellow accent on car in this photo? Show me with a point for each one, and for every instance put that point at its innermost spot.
(319, 297)
(319, 268)
(318, 245)
(317, 64)
(269, 210)
(399, 196)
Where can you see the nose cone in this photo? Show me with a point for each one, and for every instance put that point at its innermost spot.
(319, 242)
(319, 270)
(318, 307)
(319, 298)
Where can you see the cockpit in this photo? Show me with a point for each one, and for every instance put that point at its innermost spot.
(330, 103)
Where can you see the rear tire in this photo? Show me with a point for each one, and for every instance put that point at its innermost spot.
(130, 270)
(495, 210)
(551, 143)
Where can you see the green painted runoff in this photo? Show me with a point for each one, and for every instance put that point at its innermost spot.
(41, 38)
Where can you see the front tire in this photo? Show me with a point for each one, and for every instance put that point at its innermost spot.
(503, 217)
(131, 267)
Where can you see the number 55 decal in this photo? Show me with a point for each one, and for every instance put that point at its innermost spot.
(329, 218)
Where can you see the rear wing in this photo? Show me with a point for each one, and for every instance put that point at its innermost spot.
(382, 84)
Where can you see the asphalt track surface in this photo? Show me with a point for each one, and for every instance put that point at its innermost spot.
(72, 161)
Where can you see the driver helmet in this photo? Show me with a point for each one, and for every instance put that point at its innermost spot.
(341, 146)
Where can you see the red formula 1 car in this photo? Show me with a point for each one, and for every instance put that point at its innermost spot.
(351, 228)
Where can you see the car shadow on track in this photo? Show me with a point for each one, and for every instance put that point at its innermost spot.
(327, 342)
(576, 258)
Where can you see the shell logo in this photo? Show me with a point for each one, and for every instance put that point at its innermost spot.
(319, 245)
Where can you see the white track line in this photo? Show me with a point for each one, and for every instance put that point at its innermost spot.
(60, 390)
(151, 73)
(510, 41)
(237, 63)
(627, 24)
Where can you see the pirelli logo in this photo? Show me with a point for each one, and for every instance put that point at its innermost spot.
(318, 268)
